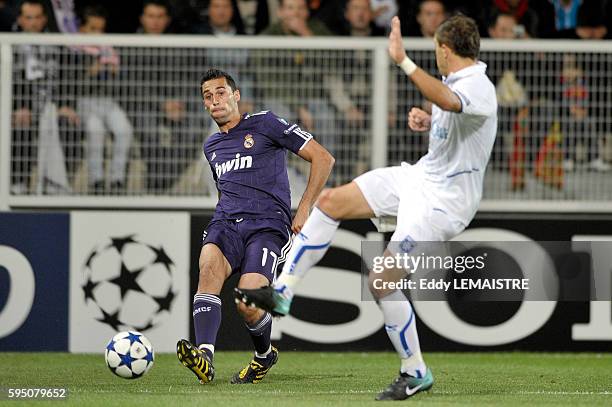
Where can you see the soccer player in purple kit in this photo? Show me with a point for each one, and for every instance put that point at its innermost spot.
(250, 231)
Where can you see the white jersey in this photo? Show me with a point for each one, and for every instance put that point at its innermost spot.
(460, 144)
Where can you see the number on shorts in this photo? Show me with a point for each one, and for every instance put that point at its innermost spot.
(264, 258)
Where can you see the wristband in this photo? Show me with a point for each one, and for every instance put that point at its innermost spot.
(408, 66)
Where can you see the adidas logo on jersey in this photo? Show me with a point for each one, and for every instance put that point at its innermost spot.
(237, 163)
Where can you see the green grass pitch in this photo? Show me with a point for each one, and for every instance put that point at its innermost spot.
(320, 379)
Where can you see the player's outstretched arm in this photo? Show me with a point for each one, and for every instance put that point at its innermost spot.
(431, 88)
(321, 163)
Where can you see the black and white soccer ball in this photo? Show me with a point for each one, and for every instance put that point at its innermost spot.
(129, 355)
(129, 284)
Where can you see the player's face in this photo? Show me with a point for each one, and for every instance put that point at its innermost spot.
(220, 101)
(441, 58)
(32, 18)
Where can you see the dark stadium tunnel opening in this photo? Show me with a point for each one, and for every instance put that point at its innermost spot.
(323, 312)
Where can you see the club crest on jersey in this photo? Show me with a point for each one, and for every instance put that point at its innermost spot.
(248, 141)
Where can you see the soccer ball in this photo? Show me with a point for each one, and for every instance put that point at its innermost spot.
(129, 355)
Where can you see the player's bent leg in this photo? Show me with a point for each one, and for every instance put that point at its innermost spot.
(259, 325)
(345, 202)
(250, 281)
(214, 270)
(309, 246)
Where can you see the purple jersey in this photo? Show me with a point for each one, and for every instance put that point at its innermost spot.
(249, 165)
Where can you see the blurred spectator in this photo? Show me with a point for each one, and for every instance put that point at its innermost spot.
(60, 14)
(566, 14)
(428, 17)
(100, 112)
(513, 104)
(503, 26)
(577, 128)
(220, 17)
(296, 91)
(359, 20)
(350, 93)
(162, 116)
(38, 108)
(195, 16)
(257, 14)
(155, 17)
(522, 11)
(294, 19)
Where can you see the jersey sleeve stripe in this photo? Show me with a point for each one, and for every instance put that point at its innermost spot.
(306, 142)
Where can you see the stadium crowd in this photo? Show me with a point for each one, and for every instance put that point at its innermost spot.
(537, 19)
(167, 139)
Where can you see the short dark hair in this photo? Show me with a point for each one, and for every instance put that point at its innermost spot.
(93, 11)
(216, 74)
(496, 14)
(35, 3)
(158, 3)
(460, 33)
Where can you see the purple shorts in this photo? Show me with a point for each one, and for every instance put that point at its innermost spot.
(250, 245)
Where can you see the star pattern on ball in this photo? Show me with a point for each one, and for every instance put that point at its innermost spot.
(111, 346)
(126, 360)
(133, 337)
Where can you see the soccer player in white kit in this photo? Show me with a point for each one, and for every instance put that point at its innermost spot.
(434, 200)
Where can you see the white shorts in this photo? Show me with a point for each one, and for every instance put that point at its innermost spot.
(401, 191)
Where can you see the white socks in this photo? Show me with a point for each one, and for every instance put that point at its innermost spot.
(400, 325)
(308, 248)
